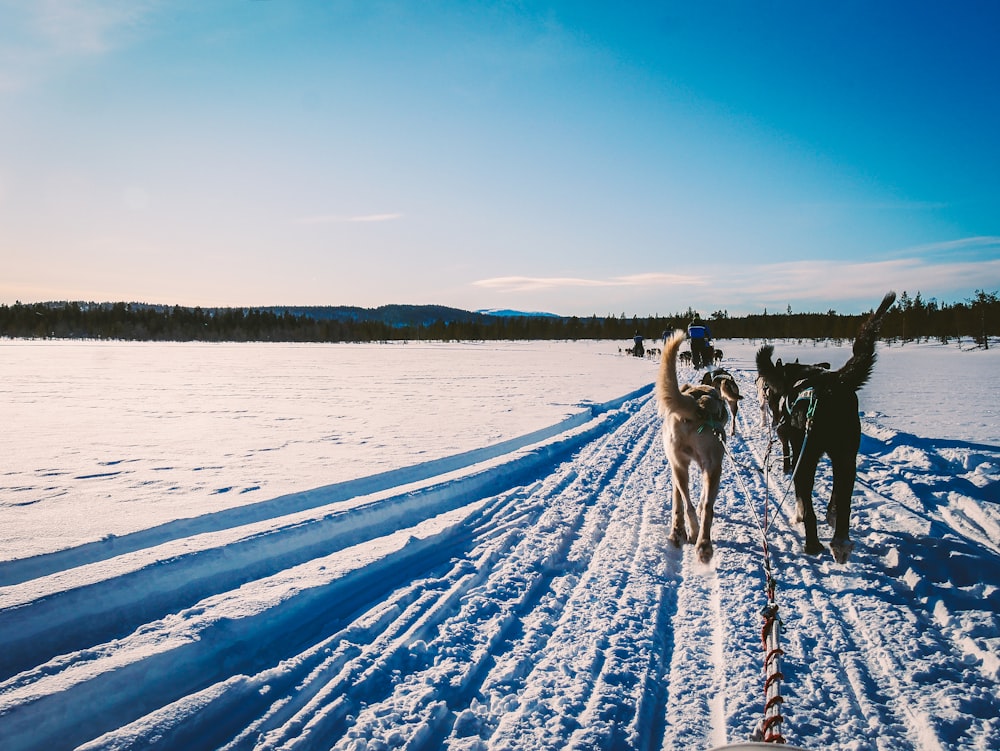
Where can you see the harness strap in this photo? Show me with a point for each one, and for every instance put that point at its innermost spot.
(718, 428)
(803, 395)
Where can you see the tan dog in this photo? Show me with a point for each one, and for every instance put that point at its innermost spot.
(693, 429)
(727, 387)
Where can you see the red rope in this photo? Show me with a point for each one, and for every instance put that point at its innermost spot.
(773, 678)
(776, 720)
(772, 703)
(769, 736)
(773, 675)
(774, 700)
(774, 653)
(769, 621)
(770, 629)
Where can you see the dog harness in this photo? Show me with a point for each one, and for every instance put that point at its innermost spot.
(719, 428)
(807, 395)
(722, 377)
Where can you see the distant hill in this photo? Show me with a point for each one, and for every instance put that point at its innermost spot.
(393, 315)
(402, 315)
(506, 313)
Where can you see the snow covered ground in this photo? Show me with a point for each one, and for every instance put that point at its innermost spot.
(463, 546)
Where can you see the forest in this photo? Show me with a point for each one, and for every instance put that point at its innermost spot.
(911, 319)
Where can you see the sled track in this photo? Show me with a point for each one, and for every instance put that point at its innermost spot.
(476, 539)
(497, 615)
(510, 599)
(829, 632)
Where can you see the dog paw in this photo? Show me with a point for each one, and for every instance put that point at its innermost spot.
(705, 551)
(841, 550)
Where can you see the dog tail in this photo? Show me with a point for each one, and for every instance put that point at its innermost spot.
(668, 393)
(766, 369)
(858, 369)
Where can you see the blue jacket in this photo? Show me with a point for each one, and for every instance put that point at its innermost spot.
(699, 332)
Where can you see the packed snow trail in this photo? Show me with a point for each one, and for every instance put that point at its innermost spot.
(526, 599)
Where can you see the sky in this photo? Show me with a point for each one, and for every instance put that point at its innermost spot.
(572, 157)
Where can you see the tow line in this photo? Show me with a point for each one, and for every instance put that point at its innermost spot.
(768, 732)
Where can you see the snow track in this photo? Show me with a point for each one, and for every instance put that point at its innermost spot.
(520, 597)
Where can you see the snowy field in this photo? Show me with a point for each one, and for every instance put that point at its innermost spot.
(464, 546)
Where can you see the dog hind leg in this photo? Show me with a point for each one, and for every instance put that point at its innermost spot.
(703, 546)
(804, 479)
(789, 447)
(844, 475)
(682, 506)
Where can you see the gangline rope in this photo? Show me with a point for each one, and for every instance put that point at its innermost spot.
(769, 730)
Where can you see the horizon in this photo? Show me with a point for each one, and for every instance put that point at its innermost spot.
(561, 156)
(504, 312)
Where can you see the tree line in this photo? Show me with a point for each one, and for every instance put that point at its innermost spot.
(912, 319)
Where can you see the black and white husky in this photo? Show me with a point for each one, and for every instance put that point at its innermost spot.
(819, 415)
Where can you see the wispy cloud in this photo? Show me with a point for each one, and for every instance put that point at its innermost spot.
(661, 279)
(85, 26)
(824, 282)
(807, 286)
(535, 283)
(974, 245)
(340, 219)
(38, 35)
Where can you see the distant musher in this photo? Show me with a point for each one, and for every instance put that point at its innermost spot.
(701, 344)
(637, 348)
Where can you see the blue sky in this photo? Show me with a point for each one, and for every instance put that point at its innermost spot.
(573, 157)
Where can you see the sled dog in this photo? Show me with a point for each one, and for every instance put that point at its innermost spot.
(693, 430)
(819, 415)
(728, 389)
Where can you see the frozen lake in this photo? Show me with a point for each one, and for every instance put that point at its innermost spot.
(357, 547)
(109, 437)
